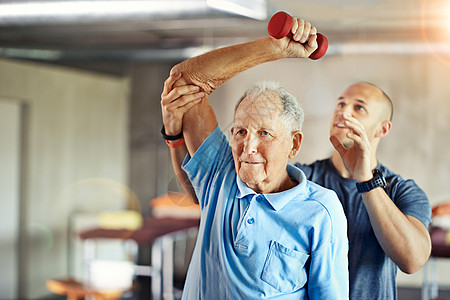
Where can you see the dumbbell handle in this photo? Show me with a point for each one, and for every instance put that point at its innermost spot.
(280, 26)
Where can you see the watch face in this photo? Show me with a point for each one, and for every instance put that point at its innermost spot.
(377, 181)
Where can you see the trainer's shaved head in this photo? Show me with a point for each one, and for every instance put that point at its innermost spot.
(388, 108)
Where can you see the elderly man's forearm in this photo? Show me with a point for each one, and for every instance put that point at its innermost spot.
(212, 69)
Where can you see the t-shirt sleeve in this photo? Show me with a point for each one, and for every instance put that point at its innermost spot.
(411, 199)
(212, 157)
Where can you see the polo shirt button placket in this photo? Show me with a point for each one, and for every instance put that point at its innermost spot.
(250, 221)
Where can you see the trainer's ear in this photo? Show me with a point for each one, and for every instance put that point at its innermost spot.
(297, 138)
(384, 129)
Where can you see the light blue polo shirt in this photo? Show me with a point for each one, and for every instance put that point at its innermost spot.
(288, 245)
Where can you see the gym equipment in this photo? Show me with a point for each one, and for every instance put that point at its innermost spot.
(280, 26)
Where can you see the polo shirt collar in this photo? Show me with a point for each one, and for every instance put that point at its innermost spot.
(277, 200)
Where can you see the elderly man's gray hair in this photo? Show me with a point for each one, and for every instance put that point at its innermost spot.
(292, 111)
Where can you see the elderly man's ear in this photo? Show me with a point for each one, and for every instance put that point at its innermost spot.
(297, 137)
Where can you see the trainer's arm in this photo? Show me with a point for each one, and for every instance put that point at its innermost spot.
(404, 238)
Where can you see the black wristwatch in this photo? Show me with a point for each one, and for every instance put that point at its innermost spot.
(377, 181)
(170, 137)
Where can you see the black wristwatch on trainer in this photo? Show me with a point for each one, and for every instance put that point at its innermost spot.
(377, 181)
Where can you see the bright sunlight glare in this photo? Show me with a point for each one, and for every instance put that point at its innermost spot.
(447, 16)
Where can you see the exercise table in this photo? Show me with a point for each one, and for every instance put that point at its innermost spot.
(161, 233)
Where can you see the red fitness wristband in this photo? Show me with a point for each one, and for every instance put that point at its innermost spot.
(176, 144)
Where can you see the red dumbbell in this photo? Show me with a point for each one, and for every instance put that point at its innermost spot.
(280, 26)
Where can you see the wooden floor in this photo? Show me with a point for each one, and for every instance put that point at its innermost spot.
(403, 294)
(415, 294)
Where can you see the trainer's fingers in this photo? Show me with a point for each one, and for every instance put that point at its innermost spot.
(356, 138)
(355, 125)
(337, 145)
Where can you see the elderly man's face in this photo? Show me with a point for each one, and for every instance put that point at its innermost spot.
(261, 143)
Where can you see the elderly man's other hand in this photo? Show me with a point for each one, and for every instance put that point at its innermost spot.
(176, 101)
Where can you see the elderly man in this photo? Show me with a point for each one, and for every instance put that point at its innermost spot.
(266, 231)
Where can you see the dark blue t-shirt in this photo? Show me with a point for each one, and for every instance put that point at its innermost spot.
(372, 274)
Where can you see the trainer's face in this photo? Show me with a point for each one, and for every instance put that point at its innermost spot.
(260, 142)
(362, 102)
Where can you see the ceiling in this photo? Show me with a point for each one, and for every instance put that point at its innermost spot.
(120, 32)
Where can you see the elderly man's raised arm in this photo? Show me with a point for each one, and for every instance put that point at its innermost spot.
(210, 70)
(188, 111)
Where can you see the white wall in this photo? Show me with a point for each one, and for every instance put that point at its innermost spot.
(10, 154)
(76, 130)
(418, 145)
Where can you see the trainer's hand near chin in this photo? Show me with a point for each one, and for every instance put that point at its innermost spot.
(176, 101)
(356, 158)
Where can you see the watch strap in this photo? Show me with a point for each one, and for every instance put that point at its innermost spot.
(377, 181)
(170, 137)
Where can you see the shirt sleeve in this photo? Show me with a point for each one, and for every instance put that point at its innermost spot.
(211, 158)
(328, 275)
(410, 199)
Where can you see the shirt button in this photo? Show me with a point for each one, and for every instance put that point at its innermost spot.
(251, 221)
